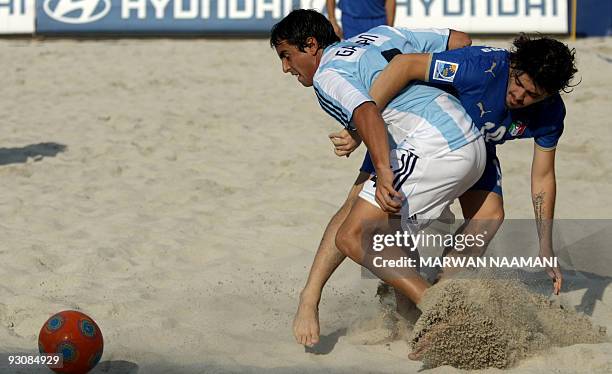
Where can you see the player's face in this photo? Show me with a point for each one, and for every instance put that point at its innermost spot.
(522, 91)
(303, 65)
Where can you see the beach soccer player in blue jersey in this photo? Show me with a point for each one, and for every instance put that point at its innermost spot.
(425, 149)
(359, 16)
(510, 95)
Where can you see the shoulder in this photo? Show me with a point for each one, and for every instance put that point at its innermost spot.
(339, 58)
(486, 54)
(422, 31)
(477, 54)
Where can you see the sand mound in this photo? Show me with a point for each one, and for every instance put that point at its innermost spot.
(485, 322)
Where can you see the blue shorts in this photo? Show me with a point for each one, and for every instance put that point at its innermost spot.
(491, 179)
(367, 166)
(352, 26)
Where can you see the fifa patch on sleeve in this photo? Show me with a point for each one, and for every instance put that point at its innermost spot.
(445, 71)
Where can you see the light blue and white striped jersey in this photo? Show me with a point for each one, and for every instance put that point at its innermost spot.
(429, 119)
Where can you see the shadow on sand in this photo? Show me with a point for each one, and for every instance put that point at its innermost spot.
(35, 151)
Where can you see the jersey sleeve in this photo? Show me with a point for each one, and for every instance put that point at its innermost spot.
(339, 94)
(549, 141)
(551, 118)
(427, 40)
(454, 68)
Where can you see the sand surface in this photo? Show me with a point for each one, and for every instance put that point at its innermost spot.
(176, 190)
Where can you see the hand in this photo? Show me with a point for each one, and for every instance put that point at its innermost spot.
(338, 30)
(345, 142)
(554, 273)
(387, 197)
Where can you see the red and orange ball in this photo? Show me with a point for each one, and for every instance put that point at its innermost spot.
(74, 335)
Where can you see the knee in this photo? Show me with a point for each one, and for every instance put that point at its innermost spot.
(490, 212)
(493, 218)
(348, 241)
(498, 215)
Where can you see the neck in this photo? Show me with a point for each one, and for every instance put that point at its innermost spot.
(318, 56)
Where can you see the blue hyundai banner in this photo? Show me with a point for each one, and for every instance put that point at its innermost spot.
(160, 16)
(225, 17)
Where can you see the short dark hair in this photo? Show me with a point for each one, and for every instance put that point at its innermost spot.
(301, 24)
(548, 62)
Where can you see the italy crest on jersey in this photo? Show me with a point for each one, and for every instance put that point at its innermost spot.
(517, 128)
(445, 71)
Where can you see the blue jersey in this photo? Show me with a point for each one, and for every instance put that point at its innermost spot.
(363, 8)
(480, 77)
(435, 122)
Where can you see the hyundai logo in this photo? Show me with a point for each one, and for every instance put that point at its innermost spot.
(77, 11)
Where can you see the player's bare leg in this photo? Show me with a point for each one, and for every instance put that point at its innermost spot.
(366, 219)
(306, 328)
(403, 305)
(483, 212)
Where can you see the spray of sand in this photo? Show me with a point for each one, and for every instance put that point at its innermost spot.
(485, 322)
(385, 325)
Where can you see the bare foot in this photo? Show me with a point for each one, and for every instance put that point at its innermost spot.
(306, 324)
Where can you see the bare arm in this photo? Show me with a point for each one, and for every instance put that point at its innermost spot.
(543, 195)
(390, 10)
(331, 10)
(331, 15)
(402, 70)
(458, 39)
(373, 131)
(406, 68)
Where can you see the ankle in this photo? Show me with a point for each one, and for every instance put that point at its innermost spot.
(310, 297)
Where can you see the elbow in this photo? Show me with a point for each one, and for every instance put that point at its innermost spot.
(459, 39)
(544, 179)
(543, 186)
(464, 40)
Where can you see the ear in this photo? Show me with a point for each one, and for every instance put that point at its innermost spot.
(312, 46)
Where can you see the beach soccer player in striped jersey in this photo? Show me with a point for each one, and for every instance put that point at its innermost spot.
(425, 149)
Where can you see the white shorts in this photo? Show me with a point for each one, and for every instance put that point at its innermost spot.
(430, 185)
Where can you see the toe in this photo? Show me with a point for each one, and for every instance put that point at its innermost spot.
(308, 341)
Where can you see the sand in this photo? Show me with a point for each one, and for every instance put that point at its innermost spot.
(176, 190)
(484, 321)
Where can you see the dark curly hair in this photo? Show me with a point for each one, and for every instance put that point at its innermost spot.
(548, 62)
(301, 24)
